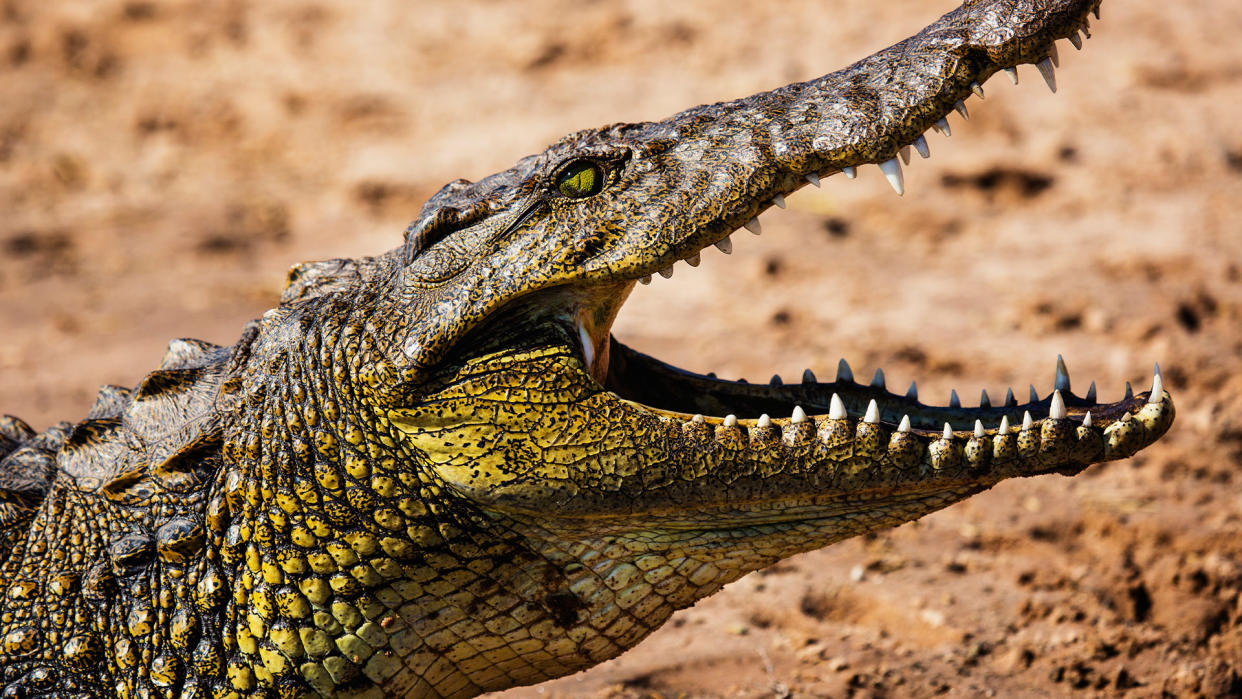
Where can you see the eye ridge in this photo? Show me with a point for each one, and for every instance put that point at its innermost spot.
(580, 178)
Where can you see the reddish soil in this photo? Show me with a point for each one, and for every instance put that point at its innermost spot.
(162, 163)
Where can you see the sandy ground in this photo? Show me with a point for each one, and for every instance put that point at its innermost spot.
(163, 163)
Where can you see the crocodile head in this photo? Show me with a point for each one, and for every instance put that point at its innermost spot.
(554, 496)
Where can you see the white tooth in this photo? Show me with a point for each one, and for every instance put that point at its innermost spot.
(979, 428)
(588, 345)
(1056, 411)
(1013, 75)
(1091, 393)
(905, 154)
(850, 172)
(799, 415)
(1027, 421)
(1010, 401)
(764, 421)
(1049, 73)
(920, 145)
(1086, 419)
(1129, 391)
(878, 379)
(892, 172)
(1076, 40)
(1052, 54)
(1157, 387)
(905, 424)
(873, 413)
(836, 409)
(698, 419)
(775, 380)
(913, 392)
(730, 420)
(754, 226)
(844, 372)
(1004, 426)
(694, 260)
(984, 400)
(1061, 382)
(977, 89)
(961, 109)
(808, 376)
(813, 178)
(954, 401)
(779, 200)
(948, 431)
(725, 245)
(1034, 395)
(645, 280)
(667, 272)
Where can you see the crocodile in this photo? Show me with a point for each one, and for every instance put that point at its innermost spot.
(433, 472)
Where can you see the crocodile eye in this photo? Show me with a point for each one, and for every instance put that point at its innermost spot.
(580, 178)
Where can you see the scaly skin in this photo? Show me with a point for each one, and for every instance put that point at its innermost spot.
(433, 473)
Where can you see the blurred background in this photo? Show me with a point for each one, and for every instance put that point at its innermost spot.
(163, 163)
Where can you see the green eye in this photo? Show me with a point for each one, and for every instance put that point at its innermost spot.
(579, 179)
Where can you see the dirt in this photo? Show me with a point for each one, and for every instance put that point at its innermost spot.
(162, 164)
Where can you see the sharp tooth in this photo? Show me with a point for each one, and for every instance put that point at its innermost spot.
(764, 421)
(954, 401)
(977, 89)
(961, 109)
(754, 226)
(645, 280)
(1049, 73)
(892, 172)
(850, 171)
(694, 260)
(799, 415)
(1056, 411)
(1061, 382)
(1090, 397)
(844, 373)
(1013, 75)
(905, 424)
(920, 145)
(943, 127)
(1052, 54)
(779, 200)
(725, 245)
(1076, 40)
(588, 345)
(1086, 419)
(1129, 391)
(667, 272)
(1010, 401)
(775, 380)
(1004, 426)
(697, 419)
(913, 392)
(1096, 11)
(979, 428)
(1157, 387)
(836, 409)
(948, 431)
(1086, 27)
(878, 379)
(1027, 421)
(808, 376)
(905, 154)
(813, 178)
(730, 420)
(873, 413)
(1034, 395)
(984, 401)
